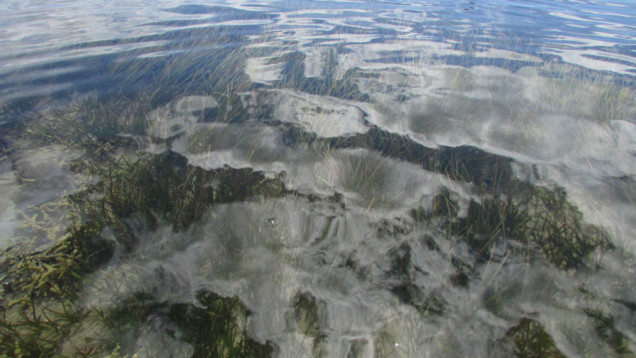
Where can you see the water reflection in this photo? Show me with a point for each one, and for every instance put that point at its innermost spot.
(327, 179)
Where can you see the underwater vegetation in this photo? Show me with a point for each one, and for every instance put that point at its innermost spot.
(531, 340)
(489, 172)
(143, 156)
(214, 328)
(40, 289)
(133, 191)
(534, 216)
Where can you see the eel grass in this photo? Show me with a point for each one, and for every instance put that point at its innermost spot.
(38, 310)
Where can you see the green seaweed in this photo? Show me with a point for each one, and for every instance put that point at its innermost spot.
(215, 327)
(401, 279)
(537, 217)
(92, 123)
(37, 306)
(612, 102)
(488, 172)
(306, 314)
(165, 189)
(37, 330)
(444, 205)
(532, 341)
(357, 349)
(218, 330)
(39, 289)
(546, 218)
(307, 310)
(484, 225)
(606, 330)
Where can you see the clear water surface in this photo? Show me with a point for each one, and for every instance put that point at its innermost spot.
(362, 178)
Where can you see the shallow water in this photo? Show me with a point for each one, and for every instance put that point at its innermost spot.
(367, 178)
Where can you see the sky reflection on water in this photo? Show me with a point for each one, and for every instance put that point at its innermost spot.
(371, 133)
